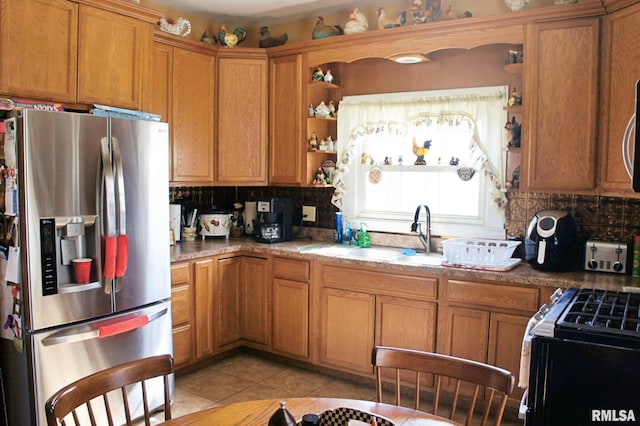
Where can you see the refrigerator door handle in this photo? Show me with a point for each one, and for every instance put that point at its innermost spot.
(122, 241)
(106, 329)
(109, 200)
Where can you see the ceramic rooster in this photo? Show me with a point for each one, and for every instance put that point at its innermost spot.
(357, 23)
(383, 22)
(420, 152)
(266, 40)
(321, 30)
(231, 39)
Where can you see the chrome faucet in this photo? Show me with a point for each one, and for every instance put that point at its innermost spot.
(416, 227)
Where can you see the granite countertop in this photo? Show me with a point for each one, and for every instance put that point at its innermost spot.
(522, 274)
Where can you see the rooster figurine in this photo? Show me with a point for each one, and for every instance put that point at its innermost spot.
(383, 22)
(420, 152)
(266, 40)
(231, 39)
(321, 30)
(357, 23)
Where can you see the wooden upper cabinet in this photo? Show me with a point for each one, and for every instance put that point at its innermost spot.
(620, 71)
(285, 120)
(192, 117)
(560, 111)
(113, 52)
(241, 154)
(38, 45)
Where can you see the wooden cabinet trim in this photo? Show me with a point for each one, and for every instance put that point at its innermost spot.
(491, 295)
(293, 269)
(374, 281)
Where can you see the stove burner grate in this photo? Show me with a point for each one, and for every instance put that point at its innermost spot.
(603, 311)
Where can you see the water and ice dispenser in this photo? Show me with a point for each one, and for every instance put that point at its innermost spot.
(63, 240)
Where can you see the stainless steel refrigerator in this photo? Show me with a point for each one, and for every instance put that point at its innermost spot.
(81, 186)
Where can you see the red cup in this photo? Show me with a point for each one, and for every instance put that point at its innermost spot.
(82, 269)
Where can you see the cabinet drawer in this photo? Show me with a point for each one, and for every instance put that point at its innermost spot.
(181, 304)
(180, 273)
(500, 296)
(182, 344)
(291, 268)
(381, 282)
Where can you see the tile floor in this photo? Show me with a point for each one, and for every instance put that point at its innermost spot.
(244, 376)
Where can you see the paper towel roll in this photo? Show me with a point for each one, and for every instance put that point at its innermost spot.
(175, 216)
(250, 216)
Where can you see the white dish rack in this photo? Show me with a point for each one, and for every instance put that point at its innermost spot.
(478, 252)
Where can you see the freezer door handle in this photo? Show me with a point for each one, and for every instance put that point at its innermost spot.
(107, 202)
(122, 243)
(103, 329)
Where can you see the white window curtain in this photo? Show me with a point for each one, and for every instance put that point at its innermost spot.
(481, 108)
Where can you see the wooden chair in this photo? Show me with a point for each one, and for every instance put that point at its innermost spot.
(76, 398)
(497, 382)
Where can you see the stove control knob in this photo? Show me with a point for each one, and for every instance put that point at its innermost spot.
(617, 266)
(556, 295)
(592, 264)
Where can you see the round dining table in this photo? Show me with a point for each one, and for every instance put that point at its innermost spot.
(258, 412)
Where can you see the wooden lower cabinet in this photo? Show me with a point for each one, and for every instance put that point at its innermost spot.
(255, 327)
(204, 289)
(347, 321)
(291, 322)
(491, 333)
(291, 317)
(182, 314)
(242, 302)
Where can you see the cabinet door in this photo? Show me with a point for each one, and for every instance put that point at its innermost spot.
(182, 310)
(192, 117)
(561, 74)
(254, 295)
(285, 120)
(621, 70)
(204, 289)
(346, 329)
(505, 345)
(291, 317)
(405, 323)
(159, 84)
(241, 154)
(113, 54)
(38, 48)
(228, 301)
(466, 333)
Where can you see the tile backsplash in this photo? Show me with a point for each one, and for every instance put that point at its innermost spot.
(597, 217)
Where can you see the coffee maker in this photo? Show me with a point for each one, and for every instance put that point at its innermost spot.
(274, 220)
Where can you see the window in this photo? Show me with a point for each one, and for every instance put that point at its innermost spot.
(458, 134)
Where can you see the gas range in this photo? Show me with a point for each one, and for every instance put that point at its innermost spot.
(594, 316)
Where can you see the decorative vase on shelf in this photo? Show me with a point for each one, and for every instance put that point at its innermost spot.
(516, 5)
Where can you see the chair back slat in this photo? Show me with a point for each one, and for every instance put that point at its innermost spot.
(472, 380)
(118, 382)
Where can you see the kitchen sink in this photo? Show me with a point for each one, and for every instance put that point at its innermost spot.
(375, 253)
(427, 259)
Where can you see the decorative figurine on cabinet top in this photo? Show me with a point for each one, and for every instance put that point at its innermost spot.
(181, 26)
(420, 152)
(357, 23)
(231, 39)
(321, 30)
(384, 23)
(266, 40)
(313, 142)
